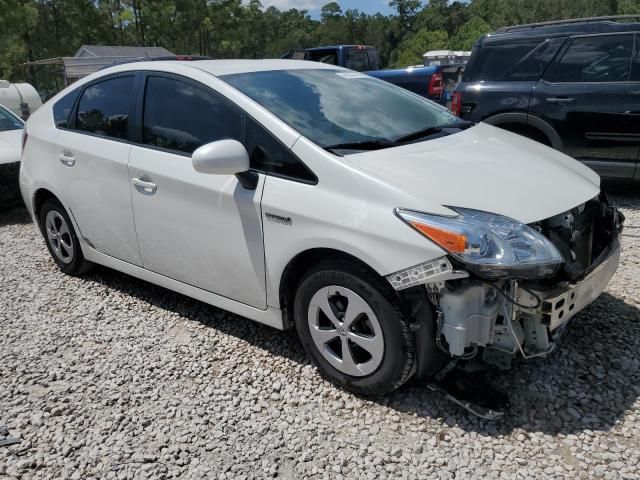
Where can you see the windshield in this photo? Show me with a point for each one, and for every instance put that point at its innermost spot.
(9, 121)
(339, 107)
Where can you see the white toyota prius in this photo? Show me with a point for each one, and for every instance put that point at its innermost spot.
(395, 238)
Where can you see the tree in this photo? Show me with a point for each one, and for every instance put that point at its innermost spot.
(330, 11)
(411, 50)
(467, 35)
(407, 11)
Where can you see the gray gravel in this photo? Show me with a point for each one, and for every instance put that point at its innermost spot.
(111, 377)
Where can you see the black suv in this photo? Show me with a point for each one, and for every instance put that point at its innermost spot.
(573, 85)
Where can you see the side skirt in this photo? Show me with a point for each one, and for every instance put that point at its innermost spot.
(271, 316)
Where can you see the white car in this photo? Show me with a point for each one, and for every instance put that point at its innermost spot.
(11, 128)
(397, 240)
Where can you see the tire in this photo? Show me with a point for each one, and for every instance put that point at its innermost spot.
(61, 239)
(364, 319)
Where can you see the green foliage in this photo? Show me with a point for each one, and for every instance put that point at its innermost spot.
(37, 29)
(468, 33)
(411, 50)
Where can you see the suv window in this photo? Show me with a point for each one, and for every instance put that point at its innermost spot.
(62, 109)
(269, 155)
(531, 67)
(182, 116)
(605, 58)
(635, 67)
(104, 107)
(357, 59)
(495, 62)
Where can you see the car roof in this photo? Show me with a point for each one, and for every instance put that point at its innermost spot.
(228, 67)
(564, 28)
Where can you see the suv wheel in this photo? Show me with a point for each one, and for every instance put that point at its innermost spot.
(352, 326)
(61, 239)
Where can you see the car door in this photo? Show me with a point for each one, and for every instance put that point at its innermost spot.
(203, 230)
(587, 95)
(93, 150)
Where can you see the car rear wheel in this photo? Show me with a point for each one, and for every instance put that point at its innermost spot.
(61, 239)
(352, 326)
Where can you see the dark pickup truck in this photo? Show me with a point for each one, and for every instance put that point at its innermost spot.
(425, 81)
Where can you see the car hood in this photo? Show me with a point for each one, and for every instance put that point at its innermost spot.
(10, 146)
(484, 168)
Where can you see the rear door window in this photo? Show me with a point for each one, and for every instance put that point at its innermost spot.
(182, 116)
(534, 63)
(104, 107)
(603, 58)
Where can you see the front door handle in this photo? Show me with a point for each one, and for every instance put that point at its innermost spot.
(148, 188)
(67, 158)
(559, 100)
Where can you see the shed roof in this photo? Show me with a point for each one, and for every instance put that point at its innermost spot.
(102, 51)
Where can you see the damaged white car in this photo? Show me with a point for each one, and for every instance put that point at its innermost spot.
(396, 239)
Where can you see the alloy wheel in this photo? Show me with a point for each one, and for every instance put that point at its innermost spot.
(346, 331)
(59, 236)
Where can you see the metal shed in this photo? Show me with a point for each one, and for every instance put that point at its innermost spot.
(91, 58)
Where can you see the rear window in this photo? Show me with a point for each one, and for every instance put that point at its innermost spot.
(357, 59)
(374, 59)
(514, 62)
(605, 58)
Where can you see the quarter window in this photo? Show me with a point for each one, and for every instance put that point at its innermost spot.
(605, 58)
(269, 155)
(496, 62)
(62, 109)
(181, 116)
(104, 107)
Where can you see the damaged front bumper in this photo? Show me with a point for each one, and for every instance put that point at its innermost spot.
(495, 321)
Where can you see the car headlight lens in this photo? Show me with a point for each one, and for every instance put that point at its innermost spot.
(490, 245)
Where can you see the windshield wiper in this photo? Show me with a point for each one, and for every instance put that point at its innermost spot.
(425, 132)
(364, 145)
(382, 143)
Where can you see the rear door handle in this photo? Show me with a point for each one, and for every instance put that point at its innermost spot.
(148, 188)
(67, 158)
(559, 100)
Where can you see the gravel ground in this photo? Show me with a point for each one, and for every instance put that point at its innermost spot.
(111, 377)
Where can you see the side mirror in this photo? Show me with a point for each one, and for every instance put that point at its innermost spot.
(224, 157)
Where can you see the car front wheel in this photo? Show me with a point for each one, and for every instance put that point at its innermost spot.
(352, 326)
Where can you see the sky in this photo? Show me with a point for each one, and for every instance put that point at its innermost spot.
(314, 6)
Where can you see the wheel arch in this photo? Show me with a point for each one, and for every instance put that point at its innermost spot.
(528, 122)
(298, 266)
(40, 196)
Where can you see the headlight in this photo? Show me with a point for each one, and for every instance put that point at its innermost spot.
(490, 245)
